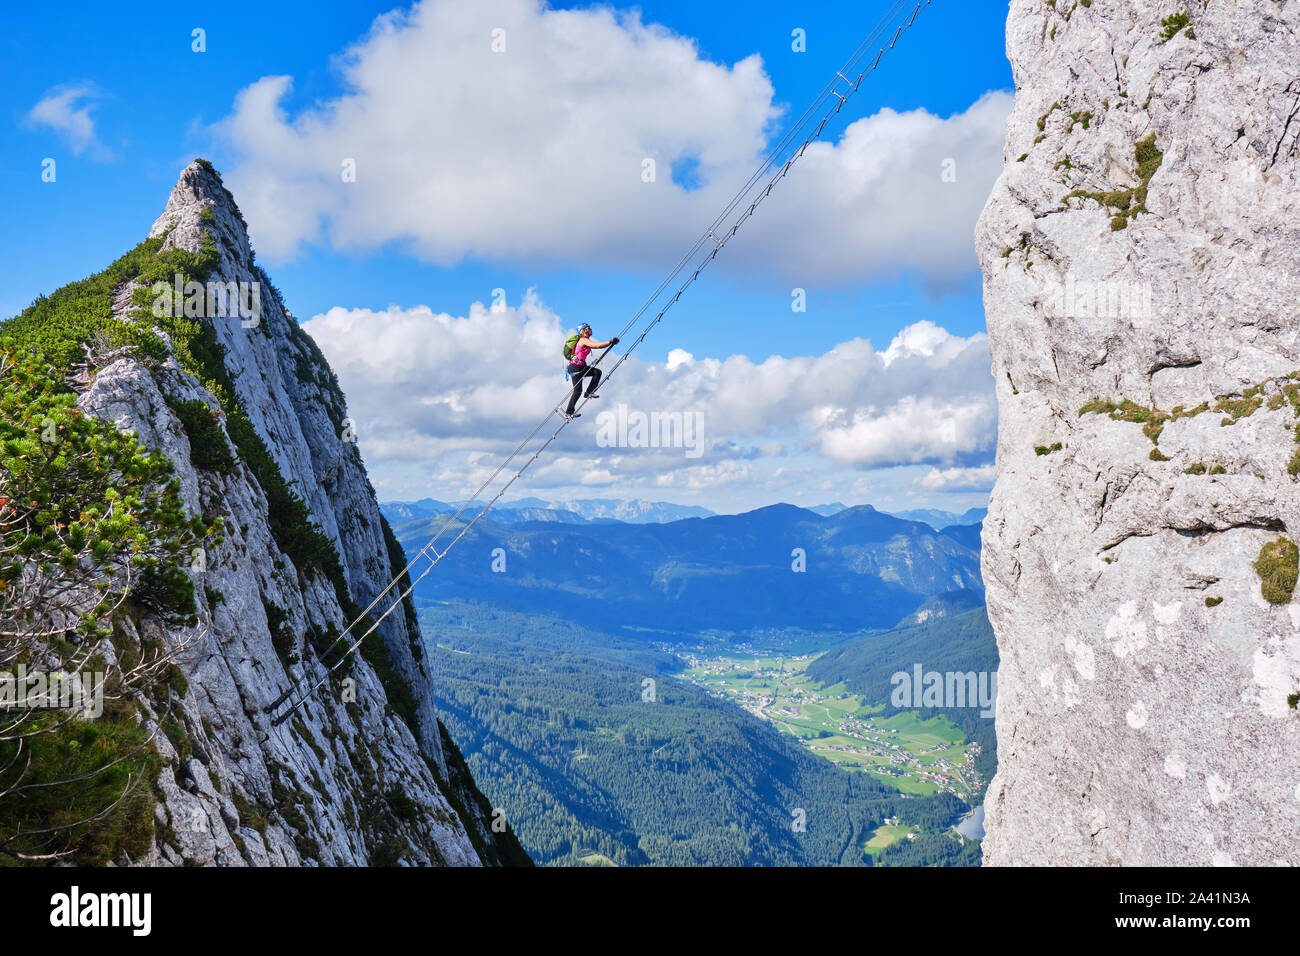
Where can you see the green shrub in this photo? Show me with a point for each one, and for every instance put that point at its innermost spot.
(251, 813)
(1243, 407)
(282, 638)
(1171, 25)
(209, 450)
(59, 325)
(387, 853)
(403, 807)
(93, 501)
(180, 740)
(1213, 601)
(107, 812)
(1127, 203)
(329, 648)
(166, 590)
(1080, 118)
(1277, 567)
(1124, 411)
(397, 568)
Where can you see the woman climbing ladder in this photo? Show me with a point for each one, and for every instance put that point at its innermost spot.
(576, 350)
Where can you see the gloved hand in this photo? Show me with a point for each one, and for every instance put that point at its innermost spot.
(614, 340)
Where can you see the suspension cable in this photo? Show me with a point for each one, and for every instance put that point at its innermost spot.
(716, 234)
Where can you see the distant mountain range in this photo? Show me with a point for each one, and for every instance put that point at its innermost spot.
(779, 566)
(540, 666)
(635, 511)
(574, 511)
(944, 519)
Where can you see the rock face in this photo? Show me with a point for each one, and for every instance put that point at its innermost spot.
(1141, 254)
(344, 781)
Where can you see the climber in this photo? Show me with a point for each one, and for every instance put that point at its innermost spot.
(576, 349)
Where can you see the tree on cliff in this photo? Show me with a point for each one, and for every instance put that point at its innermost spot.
(93, 538)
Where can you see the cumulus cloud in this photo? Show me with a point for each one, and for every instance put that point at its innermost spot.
(537, 153)
(924, 415)
(912, 429)
(977, 478)
(876, 202)
(700, 477)
(66, 110)
(446, 397)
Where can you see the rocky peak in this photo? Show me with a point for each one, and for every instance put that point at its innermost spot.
(363, 772)
(199, 200)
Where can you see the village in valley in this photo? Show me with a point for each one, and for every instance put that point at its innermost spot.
(916, 756)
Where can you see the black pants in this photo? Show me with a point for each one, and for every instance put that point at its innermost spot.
(578, 373)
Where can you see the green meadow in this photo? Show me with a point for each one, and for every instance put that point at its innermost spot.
(913, 755)
(887, 835)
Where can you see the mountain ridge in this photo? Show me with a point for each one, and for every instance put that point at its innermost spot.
(248, 414)
(576, 511)
(779, 565)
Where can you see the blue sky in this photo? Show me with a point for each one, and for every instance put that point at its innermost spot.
(127, 123)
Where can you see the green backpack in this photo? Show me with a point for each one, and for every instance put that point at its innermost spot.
(569, 344)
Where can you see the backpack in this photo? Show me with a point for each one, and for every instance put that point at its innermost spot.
(569, 344)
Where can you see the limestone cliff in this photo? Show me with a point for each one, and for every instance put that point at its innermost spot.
(370, 780)
(1141, 254)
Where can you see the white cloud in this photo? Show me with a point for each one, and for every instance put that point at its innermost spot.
(700, 477)
(440, 399)
(66, 110)
(679, 357)
(913, 429)
(923, 339)
(414, 374)
(978, 478)
(536, 153)
(875, 203)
